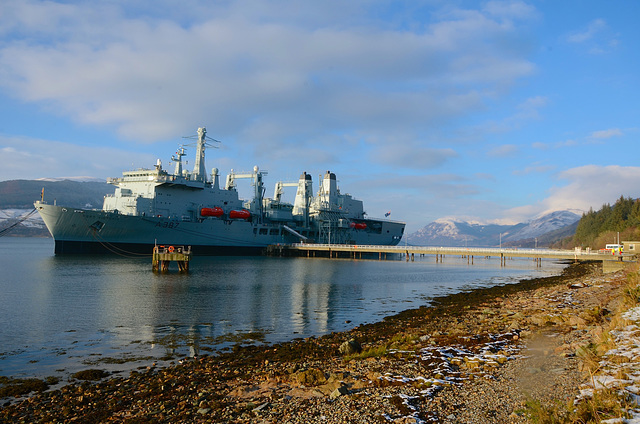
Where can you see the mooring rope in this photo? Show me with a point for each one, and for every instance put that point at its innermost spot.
(113, 248)
(118, 250)
(5, 231)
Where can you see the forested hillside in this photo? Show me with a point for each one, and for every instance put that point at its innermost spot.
(20, 194)
(597, 228)
(17, 197)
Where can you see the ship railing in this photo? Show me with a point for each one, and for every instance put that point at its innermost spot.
(386, 219)
(172, 249)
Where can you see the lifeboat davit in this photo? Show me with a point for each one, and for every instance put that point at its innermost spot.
(217, 211)
(243, 214)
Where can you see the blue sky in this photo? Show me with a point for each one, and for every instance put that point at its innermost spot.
(492, 111)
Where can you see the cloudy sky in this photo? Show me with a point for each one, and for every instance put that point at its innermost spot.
(497, 110)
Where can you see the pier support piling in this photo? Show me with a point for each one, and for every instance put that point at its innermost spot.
(163, 255)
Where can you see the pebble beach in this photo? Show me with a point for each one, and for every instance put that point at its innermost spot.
(482, 356)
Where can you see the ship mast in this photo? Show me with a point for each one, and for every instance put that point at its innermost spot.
(199, 173)
(178, 161)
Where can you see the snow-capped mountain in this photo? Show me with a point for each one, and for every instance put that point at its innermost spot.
(545, 224)
(31, 224)
(447, 232)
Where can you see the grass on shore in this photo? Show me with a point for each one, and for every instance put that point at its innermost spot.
(605, 403)
(398, 342)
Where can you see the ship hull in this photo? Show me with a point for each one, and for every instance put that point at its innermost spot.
(93, 231)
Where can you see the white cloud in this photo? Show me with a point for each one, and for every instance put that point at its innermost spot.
(533, 103)
(593, 28)
(597, 38)
(416, 199)
(586, 187)
(511, 9)
(566, 143)
(503, 151)
(411, 155)
(247, 67)
(537, 168)
(557, 145)
(525, 112)
(295, 85)
(485, 176)
(592, 186)
(613, 132)
(28, 158)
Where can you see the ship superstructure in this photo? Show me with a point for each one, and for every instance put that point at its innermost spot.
(154, 206)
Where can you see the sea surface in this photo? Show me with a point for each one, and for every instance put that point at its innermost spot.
(62, 314)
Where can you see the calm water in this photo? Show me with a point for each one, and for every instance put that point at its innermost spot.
(60, 314)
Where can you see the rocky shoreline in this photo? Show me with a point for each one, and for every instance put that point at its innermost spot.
(476, 357)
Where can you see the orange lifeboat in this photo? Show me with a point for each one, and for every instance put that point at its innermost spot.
(217, 211)
(360, 226)
(243, 214)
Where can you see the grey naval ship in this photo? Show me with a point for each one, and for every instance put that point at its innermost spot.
(156, 207)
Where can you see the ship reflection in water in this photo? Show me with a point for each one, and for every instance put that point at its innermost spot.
(65, 313)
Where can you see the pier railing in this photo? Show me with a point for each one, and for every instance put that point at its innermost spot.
(575, 254)
(163, 255)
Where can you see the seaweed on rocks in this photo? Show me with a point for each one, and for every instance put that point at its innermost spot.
(90, 375)
(21, 386)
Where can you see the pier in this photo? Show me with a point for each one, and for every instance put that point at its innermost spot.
(470, 253)
(163, 255)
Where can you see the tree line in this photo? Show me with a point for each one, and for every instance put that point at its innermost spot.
(607, 225)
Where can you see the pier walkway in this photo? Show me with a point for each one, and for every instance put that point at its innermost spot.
(357, 251)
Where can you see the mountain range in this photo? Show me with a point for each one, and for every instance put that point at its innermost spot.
(538, 232)
(17, 197)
